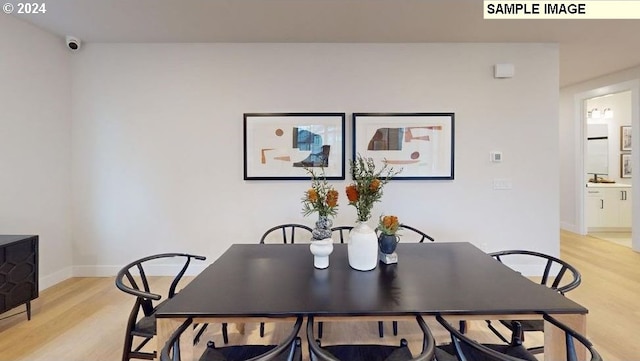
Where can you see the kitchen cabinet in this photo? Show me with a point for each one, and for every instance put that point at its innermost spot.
(608, 208)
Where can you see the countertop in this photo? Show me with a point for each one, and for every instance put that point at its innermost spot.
(608, 185)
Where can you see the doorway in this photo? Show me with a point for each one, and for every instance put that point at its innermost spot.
(608, 119)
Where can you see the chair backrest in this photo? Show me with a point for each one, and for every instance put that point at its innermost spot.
(132, 279)
(171, 349)
(342, 230)
(319, 354)
(126, 279)
(468, 349)
(288, 232)
(557, 274)
(419, 232)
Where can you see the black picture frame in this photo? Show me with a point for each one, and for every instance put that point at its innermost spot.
(625, 165)
(422, 144)
(278, 146)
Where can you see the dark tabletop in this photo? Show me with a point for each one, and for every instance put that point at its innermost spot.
(280, 280)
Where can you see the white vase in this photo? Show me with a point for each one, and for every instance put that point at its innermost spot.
(321, 250)
(362, 249)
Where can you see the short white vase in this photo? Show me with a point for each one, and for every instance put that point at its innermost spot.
(321, 250)
(362, 249)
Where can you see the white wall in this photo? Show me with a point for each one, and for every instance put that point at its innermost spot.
(35, 143)
(571, 138)
(157, 141)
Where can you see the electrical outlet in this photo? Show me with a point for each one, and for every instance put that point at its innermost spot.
(502, 184)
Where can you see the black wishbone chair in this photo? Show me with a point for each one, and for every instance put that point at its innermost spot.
(132, 279)
(289, 349)
(341, 232)
(370, 352)
(421, 234)
(463, 348)
(289, 232)
(556, 274)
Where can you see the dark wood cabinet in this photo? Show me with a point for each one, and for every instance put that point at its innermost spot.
(18, 272)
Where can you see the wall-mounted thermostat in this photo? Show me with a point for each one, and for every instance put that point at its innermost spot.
(496, 157)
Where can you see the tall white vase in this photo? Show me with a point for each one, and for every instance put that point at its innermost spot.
(362, 248)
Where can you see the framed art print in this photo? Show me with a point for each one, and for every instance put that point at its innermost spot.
(625, 137)
(625, 165)
(280, 146)
(422, 144)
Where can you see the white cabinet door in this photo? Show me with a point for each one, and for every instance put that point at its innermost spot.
(608, 208)
(611, 209)
(595, 208)
(625, 208)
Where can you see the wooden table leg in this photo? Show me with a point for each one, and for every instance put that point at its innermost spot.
(240, 328)
(164, 328)
(554, 338)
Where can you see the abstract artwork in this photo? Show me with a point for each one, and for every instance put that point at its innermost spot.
(280, 146)
(625, 137)
(419, 143)
(625, 165)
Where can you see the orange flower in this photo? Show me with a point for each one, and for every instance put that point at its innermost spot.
(352, 193)
(389, 221)
(367, 185)
(312, 195)
(374, 185)
(321, 197)
(389, 224)
(332, 198)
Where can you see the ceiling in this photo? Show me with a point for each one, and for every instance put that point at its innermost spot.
(588, 48)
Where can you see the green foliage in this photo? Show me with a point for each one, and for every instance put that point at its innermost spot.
(321, 197)
(367, 185)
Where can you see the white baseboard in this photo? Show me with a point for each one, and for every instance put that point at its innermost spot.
(609, 229)
(151, 270)
(569, 227)
(95, 271)
(47, 281)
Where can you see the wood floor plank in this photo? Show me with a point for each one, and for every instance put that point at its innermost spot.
(610, 289)
(83, 319)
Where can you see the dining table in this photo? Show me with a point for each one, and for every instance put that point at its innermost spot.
(258, 282)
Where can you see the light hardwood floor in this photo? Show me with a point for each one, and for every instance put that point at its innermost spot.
(83, 318)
